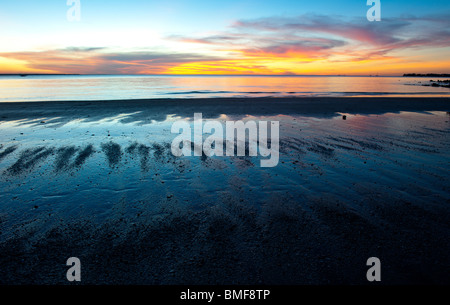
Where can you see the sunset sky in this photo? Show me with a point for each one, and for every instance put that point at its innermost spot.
(321, 37)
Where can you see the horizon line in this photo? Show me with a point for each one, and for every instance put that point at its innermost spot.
(166, 74)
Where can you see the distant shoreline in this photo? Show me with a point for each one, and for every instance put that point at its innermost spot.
(426, 75)
(25, 75)
(227, 75)
(33, 74)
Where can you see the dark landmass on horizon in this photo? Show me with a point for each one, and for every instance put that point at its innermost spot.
(426, 75)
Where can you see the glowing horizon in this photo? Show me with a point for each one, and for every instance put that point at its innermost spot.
(233, 38)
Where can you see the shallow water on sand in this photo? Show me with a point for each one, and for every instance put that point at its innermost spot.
(117, 87)
(81, 169)
(108, 171)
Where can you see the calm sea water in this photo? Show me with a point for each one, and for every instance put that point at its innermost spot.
(113, 87)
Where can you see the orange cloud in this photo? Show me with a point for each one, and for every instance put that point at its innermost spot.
(307, 45)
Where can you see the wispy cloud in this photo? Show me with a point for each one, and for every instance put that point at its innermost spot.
(326, 36)
(100, 61)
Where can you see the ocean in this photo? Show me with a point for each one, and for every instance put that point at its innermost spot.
(117, 87)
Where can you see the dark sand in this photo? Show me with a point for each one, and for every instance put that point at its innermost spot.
(158, 109)
(111, 194)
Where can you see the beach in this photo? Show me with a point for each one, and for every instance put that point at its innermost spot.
(357, 178)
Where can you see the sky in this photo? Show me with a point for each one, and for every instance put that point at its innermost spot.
(316, 37)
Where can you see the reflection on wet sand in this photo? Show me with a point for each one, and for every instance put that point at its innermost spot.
(111, 192)
(144, 112)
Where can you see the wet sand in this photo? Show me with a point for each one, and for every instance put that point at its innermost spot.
(97, 180)
(144, 111)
